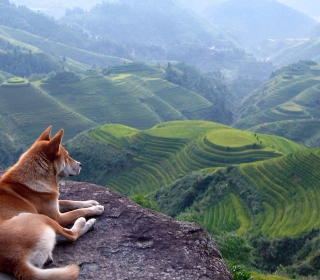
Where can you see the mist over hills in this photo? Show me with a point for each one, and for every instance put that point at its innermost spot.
(252, 22)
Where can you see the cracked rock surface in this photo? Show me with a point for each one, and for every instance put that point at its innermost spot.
(131, 242)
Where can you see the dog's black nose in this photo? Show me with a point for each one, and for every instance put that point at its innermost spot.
(80, 164)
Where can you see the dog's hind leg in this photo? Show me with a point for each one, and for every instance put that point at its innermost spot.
(81, 226)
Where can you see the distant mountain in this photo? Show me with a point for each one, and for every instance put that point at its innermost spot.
(161, 31)
(251, 21)
(149, 21)
(288, 104)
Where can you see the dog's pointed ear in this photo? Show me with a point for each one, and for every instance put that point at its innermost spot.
(55, 142)
(46, 134)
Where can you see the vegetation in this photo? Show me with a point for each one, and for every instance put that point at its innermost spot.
(24, 64)
(143, 201)
(208, 85)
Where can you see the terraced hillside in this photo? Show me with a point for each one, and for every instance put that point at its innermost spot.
(277, 198)
(27, 110)
(78, 102)
(289, 187)
(158, 156)
(128, 99)
(292, 95)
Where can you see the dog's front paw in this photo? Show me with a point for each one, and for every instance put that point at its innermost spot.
(90, 203)
(97, 210)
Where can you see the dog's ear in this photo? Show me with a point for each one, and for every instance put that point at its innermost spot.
(56, 141)
(46, 134)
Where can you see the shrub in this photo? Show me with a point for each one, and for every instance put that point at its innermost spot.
(238, 273)
(235, 249)
(144, 202)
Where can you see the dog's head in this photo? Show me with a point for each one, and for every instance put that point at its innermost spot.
(56, 154)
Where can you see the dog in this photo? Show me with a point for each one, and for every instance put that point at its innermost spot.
(32, 217)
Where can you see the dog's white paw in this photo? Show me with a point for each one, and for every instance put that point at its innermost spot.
(87, 226)
(97, 210)
(80, 222)
(92, 203)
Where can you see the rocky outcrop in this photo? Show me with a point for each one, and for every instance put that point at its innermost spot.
(131, 242)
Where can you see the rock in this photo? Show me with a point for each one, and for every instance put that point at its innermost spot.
(131, 242)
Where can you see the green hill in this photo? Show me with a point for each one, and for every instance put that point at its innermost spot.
(158, 156)
(128, 99)
(291, 98)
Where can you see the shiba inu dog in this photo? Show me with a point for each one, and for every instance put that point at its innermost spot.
(30, 217)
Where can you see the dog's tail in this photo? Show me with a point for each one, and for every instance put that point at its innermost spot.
(27, 271)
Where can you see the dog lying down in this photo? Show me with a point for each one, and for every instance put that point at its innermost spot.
(30, 217)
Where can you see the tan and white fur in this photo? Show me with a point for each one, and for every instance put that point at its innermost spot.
(30, 217)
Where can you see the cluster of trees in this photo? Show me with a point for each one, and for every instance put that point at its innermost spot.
(25, 63)
(211, 86)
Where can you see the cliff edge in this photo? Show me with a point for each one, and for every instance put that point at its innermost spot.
(131, 242)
